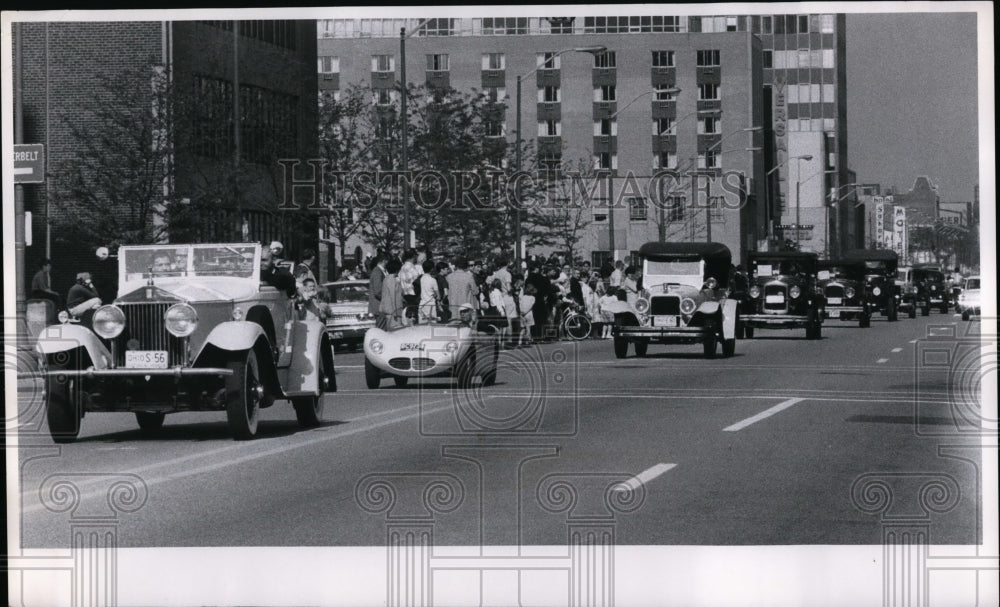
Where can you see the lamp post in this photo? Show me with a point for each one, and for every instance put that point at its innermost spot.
(798, 190)
(708, 206)
(836, 220)
(404, 130)
(593, 50)
(611, 190)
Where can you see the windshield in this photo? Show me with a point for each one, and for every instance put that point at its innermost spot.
(673, 268)
(776, 267)
(901, 275)
(346, 293)
(236, 260)
(972, 283)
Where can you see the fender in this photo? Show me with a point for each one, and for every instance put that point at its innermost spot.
(708, 307)
(729, 318)
(68, 337)
(233, 336)
(626, 318)
(301, 377)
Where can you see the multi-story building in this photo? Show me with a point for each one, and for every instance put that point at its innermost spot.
(757, 96)
(269, 63)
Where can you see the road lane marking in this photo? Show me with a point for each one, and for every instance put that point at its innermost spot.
(882, 361)
(643, 477)
(913, 341)
(897, 349)
(762, 415)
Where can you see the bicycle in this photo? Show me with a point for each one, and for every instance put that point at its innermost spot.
(575, 324)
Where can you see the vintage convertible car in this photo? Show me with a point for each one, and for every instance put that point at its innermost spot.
(968, 301)
(192, 329)
(682, 300)
(881, 292)
(452, 349)
(932, 287)
(843, 288)
(347, 316)
(783, 293)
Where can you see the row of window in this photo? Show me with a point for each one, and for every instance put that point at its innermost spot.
(280, 32)
(519, 26)
(806, 58)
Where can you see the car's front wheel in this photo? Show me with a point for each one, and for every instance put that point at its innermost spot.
(149, 421)
(309, 409)
(912, 312)
(865, 320)
(244, 394)
(65, 408)
(748, 332)
(966, 315)
(641, 346)
(621, 347)
(892, 313)
(710, 342)
(729, 347)
(925, 311)
(372, 375)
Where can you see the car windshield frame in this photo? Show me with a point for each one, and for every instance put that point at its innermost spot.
(240, 261)
(328, 293)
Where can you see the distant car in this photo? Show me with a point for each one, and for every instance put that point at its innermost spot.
(879, 268)
(843, 288)
(193, 329)
(783, 293)
(347, 316)
(910, 296)
(932, 286)
(682, 300)
(968, 301)
(450, 349)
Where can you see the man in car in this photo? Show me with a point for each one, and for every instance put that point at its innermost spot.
(82, 296)
(275, 276)
(466, 315)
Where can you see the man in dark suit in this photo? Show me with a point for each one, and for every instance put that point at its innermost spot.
(376, 278)
(276, 276)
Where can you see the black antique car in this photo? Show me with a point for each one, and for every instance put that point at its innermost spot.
(783, 293)
(932, 288)
(842, 284)
(682, 300)
(881, 292)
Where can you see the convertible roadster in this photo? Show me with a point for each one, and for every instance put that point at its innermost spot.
(452, 349)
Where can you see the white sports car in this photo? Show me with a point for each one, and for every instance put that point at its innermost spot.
(968, 300)
(431, 350)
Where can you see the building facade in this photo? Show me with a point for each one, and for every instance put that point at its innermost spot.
(227, 167)
(754, 92)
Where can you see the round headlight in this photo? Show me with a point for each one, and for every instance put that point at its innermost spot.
(180, 319)
(795, 291)
(876, 291)
(711, 283)
(237, 314)
(687, 305)
(63, 316)
(642, 305)
(109, 321)
(451, 346)
(849, 292)
(755, 291)
(933, 287)
(376, 346)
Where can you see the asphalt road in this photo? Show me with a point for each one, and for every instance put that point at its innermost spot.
(788, 442)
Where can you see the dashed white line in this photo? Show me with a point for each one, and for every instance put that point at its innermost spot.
(894, 350)
(763, 415)
(643, 477)
(882, 361)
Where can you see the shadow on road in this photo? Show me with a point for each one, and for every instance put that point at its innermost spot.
(923, 420)
(198, 432)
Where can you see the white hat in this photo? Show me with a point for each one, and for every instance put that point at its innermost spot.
(275, 244)
(466, 306)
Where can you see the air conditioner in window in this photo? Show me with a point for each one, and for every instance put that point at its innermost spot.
(327, 76)
(708, 70)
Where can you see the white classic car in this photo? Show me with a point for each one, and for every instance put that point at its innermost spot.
(968, 300)
(452, 349)
(347, 316)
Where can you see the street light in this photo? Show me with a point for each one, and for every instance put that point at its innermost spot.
(708, 206)
(593, 50)
(798, 190)
(611, 189)
(836, 217)
(404, 131)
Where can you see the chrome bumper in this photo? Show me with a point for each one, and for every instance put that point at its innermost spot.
(774, 321)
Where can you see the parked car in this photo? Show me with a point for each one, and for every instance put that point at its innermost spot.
(347, 316)
(932, 286)
(968, 302)
(843, 288)
(682, 300)
(910, 296)
(193, 328)
(452, 349)
(783, 293)
(880, 267)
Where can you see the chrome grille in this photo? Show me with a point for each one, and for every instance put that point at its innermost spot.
(665, 305)
(834, 291)
(775, 290)
(420, 364)
(144, 323)
(341, 316)
(400, 363)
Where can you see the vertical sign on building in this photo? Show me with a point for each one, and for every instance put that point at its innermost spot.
(879, 222)
(899, 229)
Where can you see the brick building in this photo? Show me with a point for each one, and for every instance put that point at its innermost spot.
(270, 63)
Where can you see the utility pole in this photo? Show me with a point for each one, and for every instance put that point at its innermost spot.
(19, 268)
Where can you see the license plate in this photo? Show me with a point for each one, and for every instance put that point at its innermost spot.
(337, 335)
(774, 299)
(664, 321)
(145, 359)
(834, 301)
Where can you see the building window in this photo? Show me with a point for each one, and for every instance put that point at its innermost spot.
(547, 61)
(710, 125)
(600, 216)
(675, 208)
(560, 25)
(715, 208)
(269, 125)
(828, 58)
(606, 126)
(708, 92)
(768, 58)
(826, 24)
(504, 26)
(328, 65)
(665, 160)
(803, 24)
(550, 163)
(804, 57)
(638, 210)
(549, 94)
(663, 126)
(494, 128)
(708, 58)
(437, 27)
(496, 94)
(384, 96)
(663, 59)
(606, 161)
(383, 63)
(765, 24)
(606, 59)
(437, 63)
(605, 93)
(494, 61)
(549, 128)
(708, 160)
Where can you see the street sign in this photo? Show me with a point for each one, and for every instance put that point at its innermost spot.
(29, 163)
